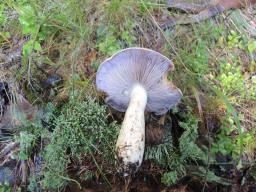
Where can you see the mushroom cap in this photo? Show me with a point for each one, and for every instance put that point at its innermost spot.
(117, 75)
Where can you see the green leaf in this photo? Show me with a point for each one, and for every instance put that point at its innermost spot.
(27, 48)
(28, 19)
(251, 46)
(23, 156)
(37, 46)
(2, 16)
(7, 34)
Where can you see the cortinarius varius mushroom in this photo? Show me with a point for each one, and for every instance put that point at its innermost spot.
(135, 80)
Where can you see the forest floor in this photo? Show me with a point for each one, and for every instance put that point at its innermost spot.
(57, 133)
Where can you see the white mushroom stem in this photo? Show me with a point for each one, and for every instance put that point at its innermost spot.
(131, 140)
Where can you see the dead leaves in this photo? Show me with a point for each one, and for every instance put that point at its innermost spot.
(16, 113)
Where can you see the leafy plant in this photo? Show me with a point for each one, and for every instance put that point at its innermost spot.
(2, 15)
(210, 176)
(26, 140)
(166, 155)
(251, 46)
(225, 144)
(5, 188)
(4, 35)
(234, 40)
(112, 40)
(197, 60)
(228, 141)
(109, 46)
(233, 82)
(169, 178)
(34, 185)
(30, 23)
(187, 142)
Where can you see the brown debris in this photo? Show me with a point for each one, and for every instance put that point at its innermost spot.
(155, 133)
(15, 111)
(85, 65)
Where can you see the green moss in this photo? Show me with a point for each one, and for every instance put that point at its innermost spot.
(81, 130)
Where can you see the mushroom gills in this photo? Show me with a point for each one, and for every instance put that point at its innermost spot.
(131, 140)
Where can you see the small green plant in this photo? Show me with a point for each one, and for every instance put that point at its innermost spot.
(232, 82)
(197, 60)
(34, 185)
(81, 130)
(234, 40)
(112, 40)
(26, 144)
(2, 15)
(4, 35)
(169, 178)
(109, 46)
(117, 26)
(30, 23)
(5, 188)
(166, 155)
(224, 144)
(229, 142)
(187, 142)
(210, 176)
(251, 46)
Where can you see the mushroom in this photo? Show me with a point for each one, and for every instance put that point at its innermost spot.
(135, 80)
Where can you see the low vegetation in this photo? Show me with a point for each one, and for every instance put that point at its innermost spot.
(50, 52)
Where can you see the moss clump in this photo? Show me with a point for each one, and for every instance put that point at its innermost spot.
(81, 130)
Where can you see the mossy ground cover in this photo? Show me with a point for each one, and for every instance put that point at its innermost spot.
(209, 138)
